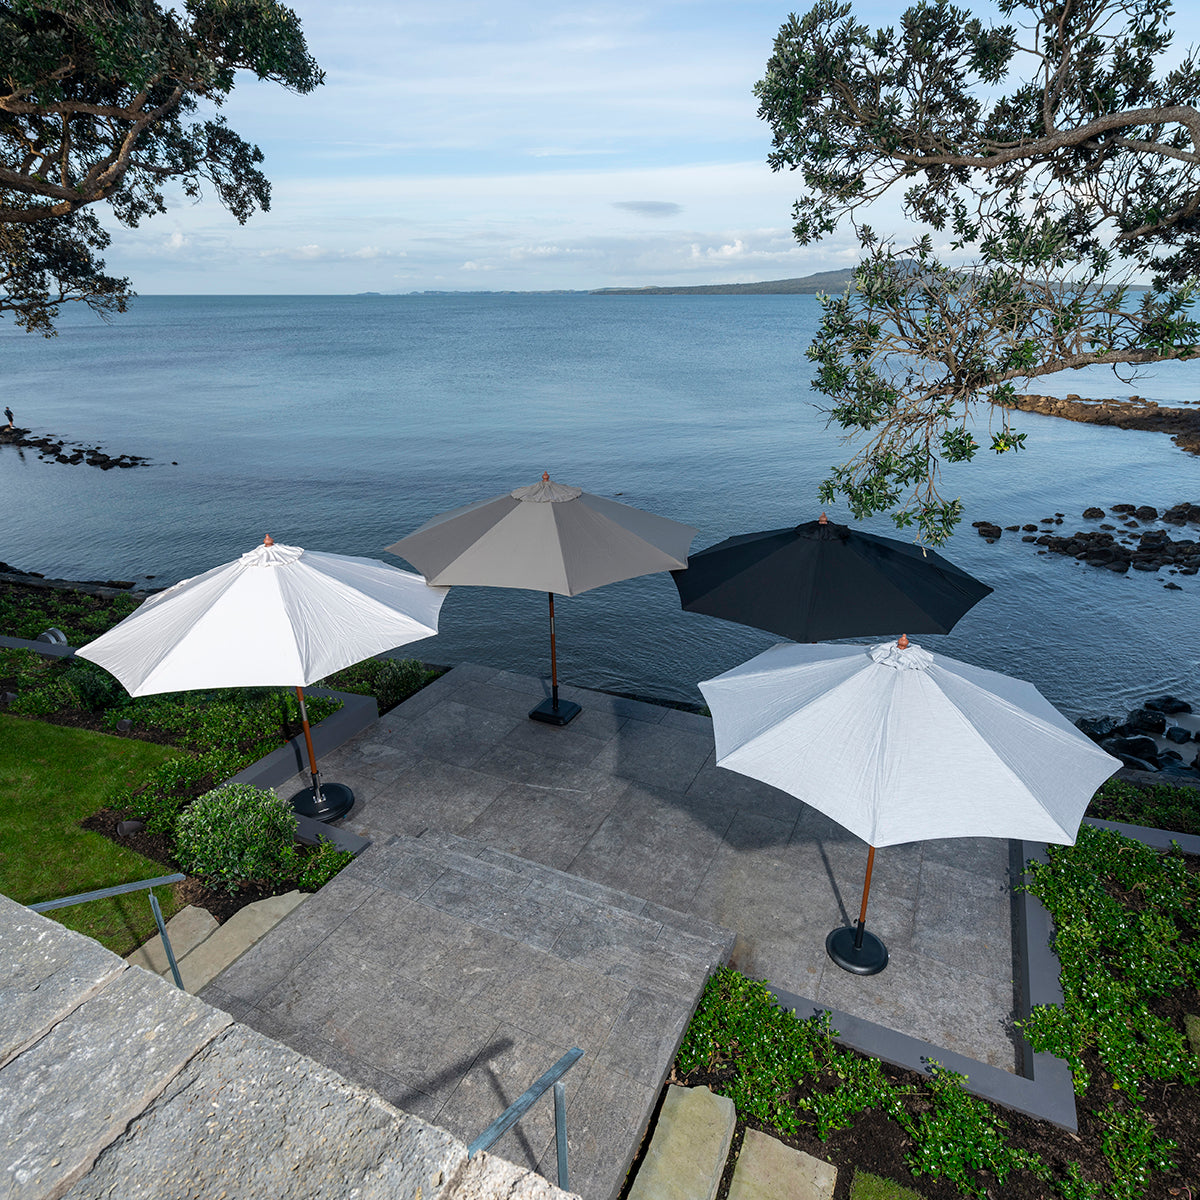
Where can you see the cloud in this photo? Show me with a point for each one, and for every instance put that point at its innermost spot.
(650, 208)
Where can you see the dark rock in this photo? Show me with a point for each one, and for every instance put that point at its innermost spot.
(1170, 756)
(1047, 520)
(1188, 570)
(1146, 513)
(1178, 735)
(1168, 704)
(1172, 587)
(1120, 565)
(1093, 514)
(1146, 720)
(1058, 514)
(991, 532)
(1141, 564)
(1096, 727)
(1141, 747)
(1154, 539)
(1123, 508)
(1177, 768)
(1108, 527)
(1029, 528)
(1029, 538)
(1012, 528)
(1138, 764)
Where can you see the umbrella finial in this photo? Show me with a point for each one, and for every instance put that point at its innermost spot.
(268, 540)
(545, 476)
(822, 520)
(903, 642)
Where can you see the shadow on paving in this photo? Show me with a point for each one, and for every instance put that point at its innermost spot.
(531, 888)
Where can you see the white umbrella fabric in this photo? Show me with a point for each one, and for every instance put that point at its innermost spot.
(548, 537)
(277, 616)
(899, 745)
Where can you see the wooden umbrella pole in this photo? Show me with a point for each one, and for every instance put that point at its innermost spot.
(312, 758)
(862, 912)
(553, 656)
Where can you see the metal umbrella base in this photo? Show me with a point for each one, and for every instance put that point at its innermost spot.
(862, 956)
(555, 712)
(334, 800)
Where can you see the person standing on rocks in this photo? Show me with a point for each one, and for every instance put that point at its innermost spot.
(9, 415)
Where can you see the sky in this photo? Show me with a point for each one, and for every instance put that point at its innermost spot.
(514, 145)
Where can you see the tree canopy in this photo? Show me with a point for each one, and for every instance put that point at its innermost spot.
(1048, 163)
(100, 101)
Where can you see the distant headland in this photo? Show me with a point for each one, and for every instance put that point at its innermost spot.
(807, 285)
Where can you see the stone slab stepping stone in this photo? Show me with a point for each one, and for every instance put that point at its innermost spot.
(688, 1150)
(231, 940)
(768, 1170)
(186, 930)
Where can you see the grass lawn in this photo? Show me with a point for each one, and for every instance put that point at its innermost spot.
(51, 778)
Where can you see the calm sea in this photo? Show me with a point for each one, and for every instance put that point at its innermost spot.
(342, 423)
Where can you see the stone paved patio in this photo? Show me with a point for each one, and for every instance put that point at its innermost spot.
(628, 797)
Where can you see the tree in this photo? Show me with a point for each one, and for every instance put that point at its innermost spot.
(99, 102)
(1051, 164)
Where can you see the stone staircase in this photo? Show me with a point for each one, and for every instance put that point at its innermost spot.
(409, 969)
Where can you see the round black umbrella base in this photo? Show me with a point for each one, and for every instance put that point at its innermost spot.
(868, 959)
(335, 800)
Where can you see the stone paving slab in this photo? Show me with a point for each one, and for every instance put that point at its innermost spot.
(69, 1095)
(687, 1154)
(768, 1170)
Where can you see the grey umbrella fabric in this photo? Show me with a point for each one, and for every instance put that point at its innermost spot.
(548, 537)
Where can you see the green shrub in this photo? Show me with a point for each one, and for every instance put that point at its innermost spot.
(1157, 805)
(390, 680)
(238, 834)
(321, 864)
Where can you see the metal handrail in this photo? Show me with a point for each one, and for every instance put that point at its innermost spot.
(123, 889)
(519, 1107)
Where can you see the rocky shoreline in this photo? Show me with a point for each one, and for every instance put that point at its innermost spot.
(1115, 547)
(55, 449)
(1183, 424)
(1159, 736)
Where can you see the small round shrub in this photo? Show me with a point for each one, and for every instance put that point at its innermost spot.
(321, 864)
(236, 834)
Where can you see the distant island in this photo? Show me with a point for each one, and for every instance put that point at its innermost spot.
(807, 285)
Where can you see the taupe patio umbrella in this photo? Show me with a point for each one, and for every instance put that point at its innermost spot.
(277, 616)
(900, 745)
(547, 537)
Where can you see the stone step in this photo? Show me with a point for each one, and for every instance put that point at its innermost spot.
(768, 1170)
(185, 930)
(688, 1150)
(231, 940)
(689, 935)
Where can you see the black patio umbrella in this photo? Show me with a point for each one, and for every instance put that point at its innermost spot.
(820, 580)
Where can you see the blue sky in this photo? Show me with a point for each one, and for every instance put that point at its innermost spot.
(462, 145)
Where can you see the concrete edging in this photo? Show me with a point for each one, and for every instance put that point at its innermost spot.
(1044, 1088)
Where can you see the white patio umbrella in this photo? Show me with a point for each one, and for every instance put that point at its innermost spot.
(547, 537)
(899, 745)
(277, 616)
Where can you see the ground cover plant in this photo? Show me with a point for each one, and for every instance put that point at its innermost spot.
(52, 778)
(1127, 920)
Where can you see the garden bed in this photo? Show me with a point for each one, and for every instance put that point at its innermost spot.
(1127, 923)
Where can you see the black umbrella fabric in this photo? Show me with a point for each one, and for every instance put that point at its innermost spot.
(820, 581)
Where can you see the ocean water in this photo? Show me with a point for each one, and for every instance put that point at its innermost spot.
(343, 423)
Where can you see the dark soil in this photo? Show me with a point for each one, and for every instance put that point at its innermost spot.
(159, 848)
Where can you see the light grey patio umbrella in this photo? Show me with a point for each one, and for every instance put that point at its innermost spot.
(547, 537)
(277, 616)
(899, 745)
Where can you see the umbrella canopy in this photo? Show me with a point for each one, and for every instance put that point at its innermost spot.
(277, 616)
(547, 537)
(821, 580)
(899, 745)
